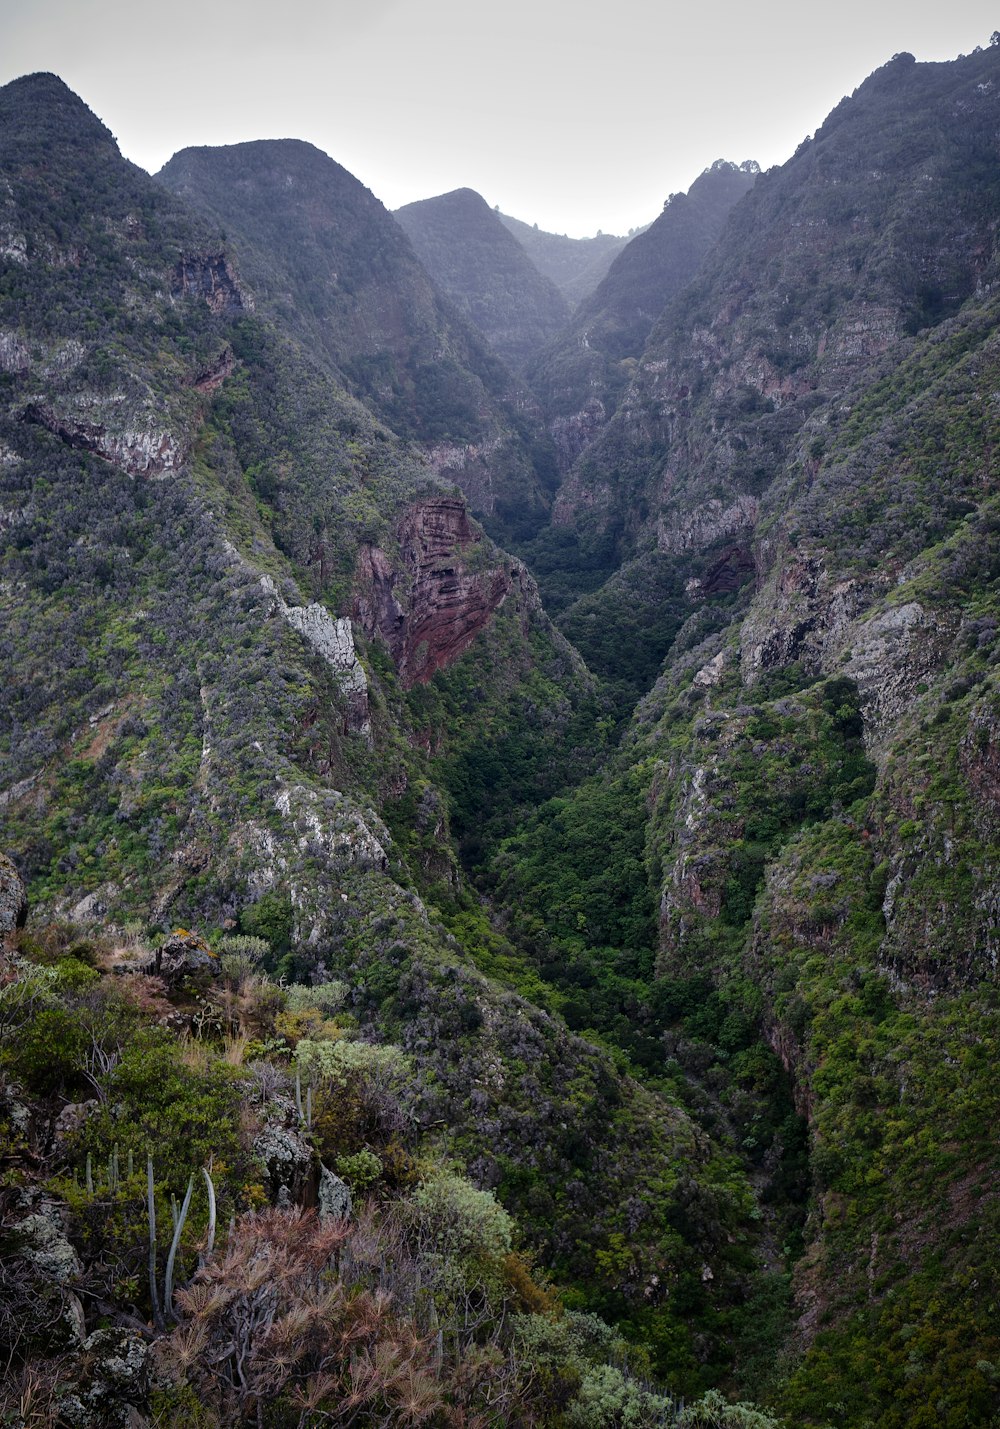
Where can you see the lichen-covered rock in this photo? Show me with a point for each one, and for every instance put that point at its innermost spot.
(113, 1386)
(43, 1244)
(38, 1271)
(13, 901)
(287, 1162)
(334, 1197)
(181, 956)
(69, 1123)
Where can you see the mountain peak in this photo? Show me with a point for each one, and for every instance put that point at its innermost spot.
(37, 108)
(482, 267)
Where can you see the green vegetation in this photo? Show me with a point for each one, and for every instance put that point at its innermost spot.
(594, 1033)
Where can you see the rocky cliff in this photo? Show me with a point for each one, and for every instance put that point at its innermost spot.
(581, 376)
(432, 607)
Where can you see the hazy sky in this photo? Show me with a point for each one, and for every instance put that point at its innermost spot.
(576, 116)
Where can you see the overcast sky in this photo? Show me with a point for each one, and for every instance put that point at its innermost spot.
(578, 115)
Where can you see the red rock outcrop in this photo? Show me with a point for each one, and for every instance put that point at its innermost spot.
(430, 605)
(212, 277)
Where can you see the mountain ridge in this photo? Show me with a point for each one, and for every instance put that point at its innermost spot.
(486, 272)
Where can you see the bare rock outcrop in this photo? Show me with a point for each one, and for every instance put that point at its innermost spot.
(431, 605)
(148, 453)
(13, 901)
(211, 276)
(333, 638)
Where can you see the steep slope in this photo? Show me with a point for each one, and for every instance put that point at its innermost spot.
(880, 225)
(575, 265)
(486, 273)
(247, 633)
(329, 263)
(805, 458)
(580, 379)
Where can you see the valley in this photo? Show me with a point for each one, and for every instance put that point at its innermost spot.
(499, 787)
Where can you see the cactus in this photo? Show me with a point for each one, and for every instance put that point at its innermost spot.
(151, 1204)
(168, 1286)
(210, 1238)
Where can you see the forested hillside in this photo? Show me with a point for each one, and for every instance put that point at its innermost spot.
(416, 1011)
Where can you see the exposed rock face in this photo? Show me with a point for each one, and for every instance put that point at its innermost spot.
(181, 956)
(13, 901)
(709, 522)
(14, 356)
(330, 825)
(431, 610)
(137, 453)
(334, 1196)
(332, 638)
(471, 466)
(211, 276)
(211, 378)
(288, 1162)
(573, 434)
(890, 655)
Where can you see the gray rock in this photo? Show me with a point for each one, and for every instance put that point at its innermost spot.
(182, 955)
(69, 1122)
(114, 1385)
(44, 1244)
(334, 1197)
(13, 902)
(287, 1160)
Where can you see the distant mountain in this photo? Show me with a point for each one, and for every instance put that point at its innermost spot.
(486, 272)
(327, 261)
(580, 378)
(575, 265)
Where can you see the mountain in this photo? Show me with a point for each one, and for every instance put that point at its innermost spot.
(486, 273)
(575, 265)
(264, 681)
(581, 377)
(799, 484)
(635, 997)
(328, 263)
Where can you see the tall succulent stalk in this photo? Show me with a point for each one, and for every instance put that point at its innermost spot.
(168, 1287)
(151, 1204)
(210, 1238)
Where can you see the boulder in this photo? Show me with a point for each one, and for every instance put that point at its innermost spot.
(334, 1196)
(181, 956)
(287, 1159)
(69, 1123)
(114, 1385)
(13, 902)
